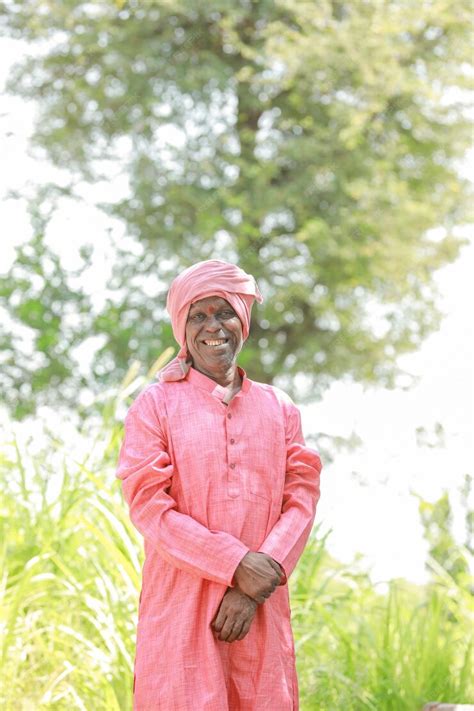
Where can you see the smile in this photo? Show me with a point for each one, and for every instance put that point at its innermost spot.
(215, 343)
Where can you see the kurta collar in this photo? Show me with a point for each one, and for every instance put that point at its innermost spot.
(203, 381)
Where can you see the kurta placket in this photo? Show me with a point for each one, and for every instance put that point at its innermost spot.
(205, 483)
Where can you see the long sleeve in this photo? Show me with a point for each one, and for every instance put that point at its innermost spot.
(146, 470)
(286, 541)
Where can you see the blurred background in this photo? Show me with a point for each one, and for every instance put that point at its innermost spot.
(326, 148)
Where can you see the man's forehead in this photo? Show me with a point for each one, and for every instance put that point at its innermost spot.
(208, 300)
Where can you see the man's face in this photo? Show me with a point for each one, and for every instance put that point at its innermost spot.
(209, 320)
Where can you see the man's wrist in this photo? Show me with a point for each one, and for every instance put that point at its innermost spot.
(233, 582)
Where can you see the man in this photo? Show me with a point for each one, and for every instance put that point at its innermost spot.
(221, 485)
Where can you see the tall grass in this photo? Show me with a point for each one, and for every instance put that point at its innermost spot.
(71, 563)
(69, 591)
(359, 648)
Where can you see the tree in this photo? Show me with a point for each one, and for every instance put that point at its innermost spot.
(310, 142)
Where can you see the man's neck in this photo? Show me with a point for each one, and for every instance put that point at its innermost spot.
(230, 378)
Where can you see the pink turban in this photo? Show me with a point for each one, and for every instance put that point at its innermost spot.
(213, 277)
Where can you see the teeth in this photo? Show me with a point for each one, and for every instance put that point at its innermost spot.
(215, 343)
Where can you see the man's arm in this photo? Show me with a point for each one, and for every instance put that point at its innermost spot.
(288, 537)
(145, 469)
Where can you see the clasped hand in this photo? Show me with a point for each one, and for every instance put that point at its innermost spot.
(256, 577)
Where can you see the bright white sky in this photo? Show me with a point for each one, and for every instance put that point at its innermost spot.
(367, 497)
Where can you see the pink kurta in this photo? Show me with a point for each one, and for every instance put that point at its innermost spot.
(206, 483)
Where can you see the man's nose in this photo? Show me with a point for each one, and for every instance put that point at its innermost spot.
(212, 323)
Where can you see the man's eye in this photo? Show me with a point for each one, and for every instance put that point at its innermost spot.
(222, 314)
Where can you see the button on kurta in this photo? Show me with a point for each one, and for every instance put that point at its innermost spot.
(232, 466)
(232, 440)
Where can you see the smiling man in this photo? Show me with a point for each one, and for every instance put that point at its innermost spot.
(214, 338)
(223, 488)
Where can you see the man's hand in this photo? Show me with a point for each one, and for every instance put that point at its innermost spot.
(234, 616)
(257, 575)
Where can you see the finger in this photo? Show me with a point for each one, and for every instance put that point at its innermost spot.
(236, 630)
(277, 577)
(245, 629)
(276, 583)
(269, 588)
(276, 566)
(268, 593)
(219, 620)
(226, 629)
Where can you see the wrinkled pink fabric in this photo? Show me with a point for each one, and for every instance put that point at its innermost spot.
(205, 483)
(212, 277)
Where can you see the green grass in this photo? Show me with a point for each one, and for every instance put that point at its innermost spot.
(71, 563)
(359, 648)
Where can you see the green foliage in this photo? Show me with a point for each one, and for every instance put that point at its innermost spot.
(72, 570)
(437, 523)
(359, 649)
(312, 142)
